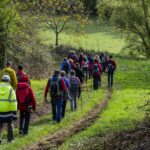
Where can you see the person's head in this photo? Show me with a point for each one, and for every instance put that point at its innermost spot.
(81, 54)
(20, 67)
(65, 59)
(72, 73)
(110, 56)
(57, 72)
(9, 64)
(5, 78)
(62, 73)
(77, 65)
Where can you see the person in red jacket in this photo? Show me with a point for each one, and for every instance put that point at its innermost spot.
(20, 73)
(56, 86)
(111, 67)
(26, 102)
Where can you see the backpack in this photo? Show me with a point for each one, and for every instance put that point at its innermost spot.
(110, 67)
(95, 73)
(74, 84)
(54, 88)
(103, 59)
(23, 95)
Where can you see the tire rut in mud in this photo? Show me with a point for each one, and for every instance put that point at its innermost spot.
(58, 138)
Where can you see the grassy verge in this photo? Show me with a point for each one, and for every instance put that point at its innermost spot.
(45, 126)
(123, 113)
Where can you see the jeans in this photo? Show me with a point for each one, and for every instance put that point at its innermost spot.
(24, 122)
(73, 101)
(110, 78)
(9, 131)
(56, 109)
(103, 67)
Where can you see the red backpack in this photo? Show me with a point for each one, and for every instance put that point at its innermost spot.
(23, 93)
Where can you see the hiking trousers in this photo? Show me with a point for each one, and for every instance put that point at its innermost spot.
(73, 100)
(63, 108)
(24, 122)
(110, 78)
(96, 83)
(9, 131)
(56, 108)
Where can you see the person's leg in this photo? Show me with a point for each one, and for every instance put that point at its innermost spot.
(63, 108)
(86, 71)
(1, 126)
(94, 86)
(112, 79)
(10, 131)
(53, 103)
(96, 83)
(109, 75)
(75, 101)
(21, 126)
(72, 101)
(26, 123)
(59, 110)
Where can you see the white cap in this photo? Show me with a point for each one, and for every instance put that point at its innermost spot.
(6, 78)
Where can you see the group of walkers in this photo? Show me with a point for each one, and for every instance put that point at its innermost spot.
(65, 84)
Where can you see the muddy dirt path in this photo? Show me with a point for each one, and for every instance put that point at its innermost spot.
(56, 139)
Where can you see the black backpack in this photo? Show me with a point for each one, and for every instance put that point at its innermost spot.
(55, 88)
(110, 67)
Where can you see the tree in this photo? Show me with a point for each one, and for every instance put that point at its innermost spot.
(59, 14)
(9, 19)
(133, 18)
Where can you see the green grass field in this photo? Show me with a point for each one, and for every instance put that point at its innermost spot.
(97, 37)
(130, 92)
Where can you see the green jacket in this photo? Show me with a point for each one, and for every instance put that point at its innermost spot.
(12, 74)
(8, 102)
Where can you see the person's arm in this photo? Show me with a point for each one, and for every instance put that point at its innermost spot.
(32, 97)
(14, 78)
(46, 91)
(68, 84)
(13, 104)
(62, 66)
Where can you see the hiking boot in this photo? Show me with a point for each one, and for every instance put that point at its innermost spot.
(20, 132)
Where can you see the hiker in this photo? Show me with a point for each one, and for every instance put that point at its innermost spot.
(111, 67)
(85, 67)
(73, 56)
(57, 87)
(11, 73)
(20, 73)
(8, 107)
(79, 73)
(65, 66)
(74, 90)
(90, 58)
(103, 59)
(96, 76)
(26, 103)
(66, 95)
(72, 64)
(81, 59)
